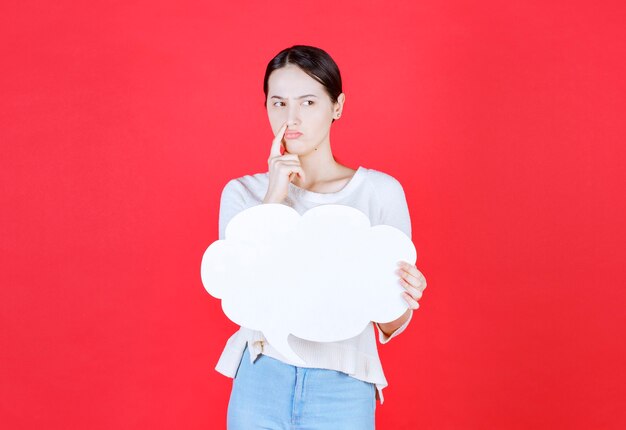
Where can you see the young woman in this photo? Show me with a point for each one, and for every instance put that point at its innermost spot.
(342, 380)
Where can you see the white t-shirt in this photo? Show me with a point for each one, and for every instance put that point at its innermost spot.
(378, 195)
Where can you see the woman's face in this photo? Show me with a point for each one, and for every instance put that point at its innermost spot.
(301, 101)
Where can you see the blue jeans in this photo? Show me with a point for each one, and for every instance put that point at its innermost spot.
(271, 394)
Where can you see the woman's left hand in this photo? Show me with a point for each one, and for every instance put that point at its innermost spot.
(413, 281)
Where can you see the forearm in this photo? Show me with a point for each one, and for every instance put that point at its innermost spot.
(389, 327)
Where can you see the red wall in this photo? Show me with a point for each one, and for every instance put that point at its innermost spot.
(120, 123)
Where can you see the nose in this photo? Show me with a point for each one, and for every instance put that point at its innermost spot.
(293, 116)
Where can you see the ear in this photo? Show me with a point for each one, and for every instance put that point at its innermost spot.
(341, 99)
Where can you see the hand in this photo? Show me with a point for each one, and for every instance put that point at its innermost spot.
(282, 169)
(413, 281)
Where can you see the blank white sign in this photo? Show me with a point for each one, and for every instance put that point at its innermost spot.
(322, 276)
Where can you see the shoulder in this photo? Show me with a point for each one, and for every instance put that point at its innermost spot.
(384, 183)
(391, 200)
(249, 182)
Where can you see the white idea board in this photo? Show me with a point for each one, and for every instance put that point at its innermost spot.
(321, 276)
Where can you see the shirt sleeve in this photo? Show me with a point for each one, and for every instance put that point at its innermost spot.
(232, 202)
(394, 207)
(394, 212)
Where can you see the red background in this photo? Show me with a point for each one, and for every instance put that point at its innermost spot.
(504, 121)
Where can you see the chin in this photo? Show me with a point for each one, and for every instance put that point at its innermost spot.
(296, 147)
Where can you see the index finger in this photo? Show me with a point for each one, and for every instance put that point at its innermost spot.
(275, 150)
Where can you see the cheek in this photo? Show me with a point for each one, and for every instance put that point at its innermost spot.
(273, 113)
(319, 117)
(276, 120)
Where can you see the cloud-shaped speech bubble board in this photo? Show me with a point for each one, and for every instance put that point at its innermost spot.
(321, 276)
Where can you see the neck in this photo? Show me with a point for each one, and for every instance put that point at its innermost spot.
(318, 165)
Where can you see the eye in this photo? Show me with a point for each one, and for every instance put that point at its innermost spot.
(276, 102)
(309, 101)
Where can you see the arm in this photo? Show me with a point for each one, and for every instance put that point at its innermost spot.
(387, 331)
(231, 203)
(392, 326)
(394, 212)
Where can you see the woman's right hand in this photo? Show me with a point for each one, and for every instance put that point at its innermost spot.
(282, 169)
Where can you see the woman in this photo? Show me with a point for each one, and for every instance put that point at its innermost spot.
(342, 380)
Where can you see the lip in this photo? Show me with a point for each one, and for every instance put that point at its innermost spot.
(292, 134)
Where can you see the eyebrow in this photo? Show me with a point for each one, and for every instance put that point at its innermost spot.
(301, 97)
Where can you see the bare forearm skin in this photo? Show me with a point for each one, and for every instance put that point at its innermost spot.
(390, 327)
